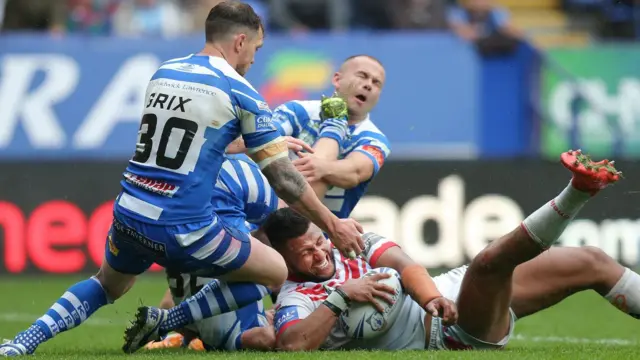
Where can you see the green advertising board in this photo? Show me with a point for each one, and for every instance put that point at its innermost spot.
(606, 82)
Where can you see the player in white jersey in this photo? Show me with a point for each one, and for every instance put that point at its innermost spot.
(322, 283)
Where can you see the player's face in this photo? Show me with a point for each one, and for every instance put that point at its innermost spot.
(360, 82)
(309, 256)
(247, 46)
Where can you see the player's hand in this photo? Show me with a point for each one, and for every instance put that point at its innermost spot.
(367, 288)
(443, 308)
(311, 167)
(270, 314)
(333, 107)
(346, 235)
(297, 145)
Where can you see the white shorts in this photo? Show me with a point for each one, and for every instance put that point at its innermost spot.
(454, 337)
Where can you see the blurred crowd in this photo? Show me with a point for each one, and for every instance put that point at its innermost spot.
(471, 19)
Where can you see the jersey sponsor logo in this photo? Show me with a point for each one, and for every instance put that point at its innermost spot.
(375, 152)
(264, 122)
(156, 186)
(133, 237)
(112, 247)
(285, 315)
(263, 106)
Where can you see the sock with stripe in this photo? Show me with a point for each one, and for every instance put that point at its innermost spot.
(215, 298)
(546, 224)
(625, 295)
(74, 307)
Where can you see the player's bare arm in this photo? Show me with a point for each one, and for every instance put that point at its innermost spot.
(415, 278)
(259, 338)
(291, 187)
(346, 173)
(332, 132)
(237, 146)
(311, 332)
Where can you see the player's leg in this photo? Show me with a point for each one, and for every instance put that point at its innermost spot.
(167, 301)
(115, 277)
(245, 329)
(561, 272)
(221, 296)
(263, 266)
(233, 255)
(485, 294)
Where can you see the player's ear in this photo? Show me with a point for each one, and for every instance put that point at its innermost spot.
(240, 42)
(335, 80)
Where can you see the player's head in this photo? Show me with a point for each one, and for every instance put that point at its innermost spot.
(235, 30)
(359, 80)
(302, 245)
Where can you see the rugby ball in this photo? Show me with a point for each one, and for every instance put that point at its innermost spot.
(363, 321)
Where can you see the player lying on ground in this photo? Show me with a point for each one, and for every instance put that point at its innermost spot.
(194, 107)
(508, 271)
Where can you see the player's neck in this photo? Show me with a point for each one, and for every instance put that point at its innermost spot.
(356, 119)
(214, 50)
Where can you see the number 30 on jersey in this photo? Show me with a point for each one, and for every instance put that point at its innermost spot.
(172, 144)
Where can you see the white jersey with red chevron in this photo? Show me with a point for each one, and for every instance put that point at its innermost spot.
(298, 299)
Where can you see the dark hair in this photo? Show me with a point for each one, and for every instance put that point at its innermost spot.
(229, 16)
(362, 55)
(283, 225)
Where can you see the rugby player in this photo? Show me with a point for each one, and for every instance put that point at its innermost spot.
(349, 149)
(505, 280)
(352, 150)
(243, 199)
(194, 107)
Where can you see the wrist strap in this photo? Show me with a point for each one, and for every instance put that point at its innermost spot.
(337, 301)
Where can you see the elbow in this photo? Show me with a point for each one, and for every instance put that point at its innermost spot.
(353, 181)
(288, 344)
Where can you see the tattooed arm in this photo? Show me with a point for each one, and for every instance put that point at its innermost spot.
(291, 187)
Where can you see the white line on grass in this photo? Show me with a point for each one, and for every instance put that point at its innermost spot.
(103, 322)
(574, 340)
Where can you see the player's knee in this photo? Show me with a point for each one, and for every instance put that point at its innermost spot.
(489, 260)
(594, 262)
(114, 284)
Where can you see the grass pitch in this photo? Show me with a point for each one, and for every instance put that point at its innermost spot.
(584, 326)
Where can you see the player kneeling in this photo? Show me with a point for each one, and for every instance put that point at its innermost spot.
(322, 283)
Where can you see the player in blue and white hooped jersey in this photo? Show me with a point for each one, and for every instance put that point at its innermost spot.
(348, 154)
(243, 199)
(194, 107)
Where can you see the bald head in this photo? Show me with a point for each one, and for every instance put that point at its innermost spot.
(359, 81)
(360, 56)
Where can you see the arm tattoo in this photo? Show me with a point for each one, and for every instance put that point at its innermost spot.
(286, 181)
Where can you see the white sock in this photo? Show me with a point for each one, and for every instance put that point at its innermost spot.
(625, 295)
(546, 224)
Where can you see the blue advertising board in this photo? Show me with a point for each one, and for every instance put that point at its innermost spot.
(81, 97)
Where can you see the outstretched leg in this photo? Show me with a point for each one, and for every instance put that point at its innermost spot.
(485, 294)
(560, 272)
